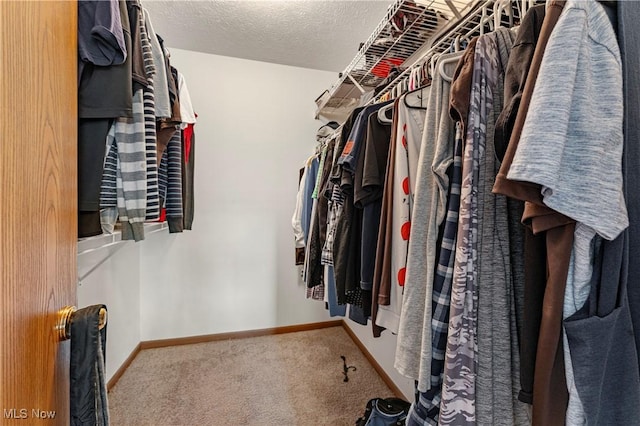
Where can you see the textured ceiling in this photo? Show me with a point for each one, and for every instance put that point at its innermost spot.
(316, 34)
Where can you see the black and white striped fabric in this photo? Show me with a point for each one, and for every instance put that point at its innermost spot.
(153, 196)
(108, 191)
(170, 183)
(131, 178)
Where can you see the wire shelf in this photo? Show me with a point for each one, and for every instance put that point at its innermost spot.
(410, 31)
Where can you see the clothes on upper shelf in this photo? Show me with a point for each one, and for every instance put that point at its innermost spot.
(136, 153)
(495, 206)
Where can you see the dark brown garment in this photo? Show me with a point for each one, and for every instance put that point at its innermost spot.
(167, 127)
(527, 190)
(138, 71)
(89, 224)
(550, 396)
(382, 270)
(460, 91)
(516, 75)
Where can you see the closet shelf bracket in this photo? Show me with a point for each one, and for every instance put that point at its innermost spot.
(101, 261)
(111, 242)
(355, 83)
(454, 9)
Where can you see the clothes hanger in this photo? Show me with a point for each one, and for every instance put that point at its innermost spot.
(499, 7)
(486, 20)
(382, 114)
(432, 64)
(419, 95)
(445, 60)
(411, 79)
(414, 81)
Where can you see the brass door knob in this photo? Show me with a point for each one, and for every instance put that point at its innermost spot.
(63, 324)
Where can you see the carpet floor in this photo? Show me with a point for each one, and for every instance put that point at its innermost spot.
(286, 379)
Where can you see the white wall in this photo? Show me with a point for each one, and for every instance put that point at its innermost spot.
(383, 349)
(235, 270)
(115, 283)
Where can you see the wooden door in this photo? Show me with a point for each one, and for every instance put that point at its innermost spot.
(38, 231)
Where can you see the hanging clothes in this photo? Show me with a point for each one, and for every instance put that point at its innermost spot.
(414, 348)
(629, 38)
(382, 280)
(149, 71)
(500, 281)
(358, 294)
(436, 298)
(344, 270)
(296, 220)
(543, 379)
(153, 191)
(458, 391)
(131, 177)
(188, 118)
(313, 270)
(170, 184)
(119, 175)
(335, 205)
(313, 262)
(104, 94)
(109, 185)
(519, 69)
(426, 409)
(100, 33)
(482, 296)
(600, 207)
(161, 85)
(327, 194)
(370, 175)
(411, 117)
(501, 251)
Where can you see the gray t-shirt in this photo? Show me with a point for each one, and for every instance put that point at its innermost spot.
(571, 143)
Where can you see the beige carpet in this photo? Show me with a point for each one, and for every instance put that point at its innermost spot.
(286, 379)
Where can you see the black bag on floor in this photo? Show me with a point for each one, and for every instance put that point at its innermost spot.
(384, 412)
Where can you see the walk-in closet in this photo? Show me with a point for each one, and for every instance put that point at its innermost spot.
(310, 212)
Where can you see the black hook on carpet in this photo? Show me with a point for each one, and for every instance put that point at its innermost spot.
(346, 368)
